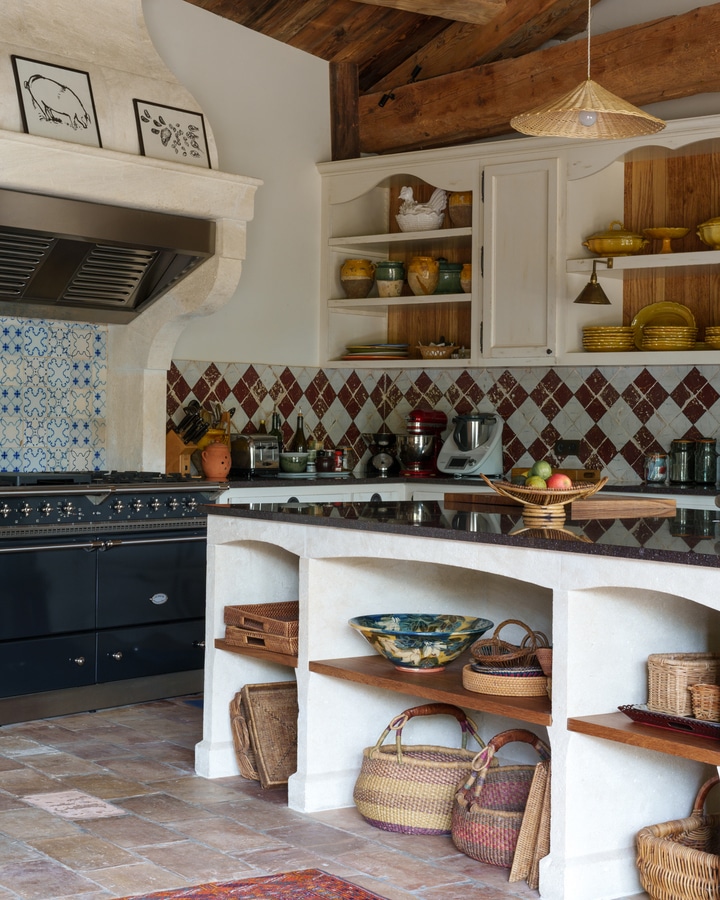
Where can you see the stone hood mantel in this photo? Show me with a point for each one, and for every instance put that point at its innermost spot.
(108, 39)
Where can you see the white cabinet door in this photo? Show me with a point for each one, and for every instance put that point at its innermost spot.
(521, 209)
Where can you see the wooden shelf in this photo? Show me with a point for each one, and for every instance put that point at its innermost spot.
(442, 687)
(617, 727)
(257, 652)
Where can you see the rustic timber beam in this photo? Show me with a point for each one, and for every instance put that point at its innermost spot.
(344, 111)
(670, 58)
(477, 12)
(521, 28)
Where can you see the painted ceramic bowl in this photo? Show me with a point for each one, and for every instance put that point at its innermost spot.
(420, 642)
(293, 462)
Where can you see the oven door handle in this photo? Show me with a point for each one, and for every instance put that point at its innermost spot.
(31, 548)
(139, 542)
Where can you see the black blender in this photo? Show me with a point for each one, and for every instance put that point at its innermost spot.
(382, 463)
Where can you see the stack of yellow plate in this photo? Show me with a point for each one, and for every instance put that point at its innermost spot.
(608, 338)
(712, 336)
(668, 337)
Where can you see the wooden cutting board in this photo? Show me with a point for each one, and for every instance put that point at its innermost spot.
(608, 507)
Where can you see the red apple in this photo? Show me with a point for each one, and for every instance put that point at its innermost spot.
(559, 482)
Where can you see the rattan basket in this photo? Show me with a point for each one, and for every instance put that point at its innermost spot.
(439, 352)
(527, 682)
(495, 652)
(679, 859)
(671, 675)
(705, 700)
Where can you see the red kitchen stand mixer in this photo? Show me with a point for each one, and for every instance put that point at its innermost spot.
(418, 449)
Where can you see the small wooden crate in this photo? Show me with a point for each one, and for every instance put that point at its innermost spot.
(671, 675)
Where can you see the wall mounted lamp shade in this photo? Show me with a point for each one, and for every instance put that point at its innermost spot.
(592, 292)
(589, 111)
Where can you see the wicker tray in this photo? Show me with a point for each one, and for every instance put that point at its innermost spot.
(273, 618)
(506, 685)
(272, 711)
(275, 643)
(682, 724)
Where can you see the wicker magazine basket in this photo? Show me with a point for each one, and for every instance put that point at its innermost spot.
(671, 675)
(679, 859)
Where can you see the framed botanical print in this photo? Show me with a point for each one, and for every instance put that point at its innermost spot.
(166, 132)
(56, 101)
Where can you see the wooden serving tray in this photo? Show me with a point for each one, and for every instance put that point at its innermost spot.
(608, 507)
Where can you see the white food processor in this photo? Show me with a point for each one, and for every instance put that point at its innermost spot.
(474, 447)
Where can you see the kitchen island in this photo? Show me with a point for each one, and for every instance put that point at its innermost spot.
(608, 591)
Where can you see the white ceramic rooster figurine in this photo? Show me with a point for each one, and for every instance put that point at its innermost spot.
(410, 206)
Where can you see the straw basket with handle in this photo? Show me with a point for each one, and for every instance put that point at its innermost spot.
(490, 806)
(495, 652)
(410, 789)
(680, 860)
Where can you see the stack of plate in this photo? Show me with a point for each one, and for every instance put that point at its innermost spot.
(712, 336)
(376, 351)
(668, 337)
(608, 338)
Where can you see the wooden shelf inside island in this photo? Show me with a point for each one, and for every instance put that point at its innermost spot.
(258, 652)
(617, 727)
(441, 687)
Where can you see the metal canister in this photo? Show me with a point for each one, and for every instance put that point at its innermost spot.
(682, 461)
(705, 461)
(656, 468)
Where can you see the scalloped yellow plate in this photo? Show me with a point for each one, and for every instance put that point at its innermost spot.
(665, 313)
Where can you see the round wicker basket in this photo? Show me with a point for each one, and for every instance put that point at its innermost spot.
(544, 506)
(443, 352)
(514, 683)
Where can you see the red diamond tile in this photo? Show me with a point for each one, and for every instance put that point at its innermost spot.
(240, 392)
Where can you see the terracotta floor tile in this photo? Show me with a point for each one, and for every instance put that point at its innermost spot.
(56, 764)
(42, 879)
(129, 831)
(409, 872)
(14, 851)
(204, 791)
(26, 823)
(105, 785)
(27, 781)
(196, 862)
(143, 770)
(229, 836)
(83, 851)
(163, 808)
(142, 878)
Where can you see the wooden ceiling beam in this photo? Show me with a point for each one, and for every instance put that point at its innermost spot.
(521, 28)
(476, 12)
(674, 57)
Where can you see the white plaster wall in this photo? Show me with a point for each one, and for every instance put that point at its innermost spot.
(268, 108)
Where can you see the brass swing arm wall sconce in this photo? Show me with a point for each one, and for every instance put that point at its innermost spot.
(592, 292)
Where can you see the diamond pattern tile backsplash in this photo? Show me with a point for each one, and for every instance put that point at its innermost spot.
(618, 413)
(53, 380)
(53, 383)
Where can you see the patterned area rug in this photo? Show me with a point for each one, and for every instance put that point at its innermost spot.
(307, 884)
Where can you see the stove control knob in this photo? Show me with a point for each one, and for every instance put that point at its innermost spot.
(117, 505)
(66, 507)
(45, 509)
(191, 504)
(154, 504)
(173, 503)
(136, 505)
(4, 510)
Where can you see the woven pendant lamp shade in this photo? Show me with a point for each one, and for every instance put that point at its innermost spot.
(615, 118)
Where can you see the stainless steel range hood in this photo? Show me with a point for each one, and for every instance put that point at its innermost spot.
(90, 262)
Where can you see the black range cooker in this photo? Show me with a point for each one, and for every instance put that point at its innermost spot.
(103, 589)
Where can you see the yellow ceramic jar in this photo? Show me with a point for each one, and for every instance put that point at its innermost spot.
(423, 273)
(466, 278)
(460, 209)
(357, 277)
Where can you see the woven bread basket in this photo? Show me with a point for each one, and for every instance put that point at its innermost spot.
(671, 675)
(433, 352)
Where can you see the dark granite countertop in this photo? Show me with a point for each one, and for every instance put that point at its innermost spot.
(674, 490)
(690, 537)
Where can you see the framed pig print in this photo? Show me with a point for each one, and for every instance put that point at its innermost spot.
(56, 102)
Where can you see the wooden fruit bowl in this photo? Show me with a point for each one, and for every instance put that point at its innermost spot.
(542, 506)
